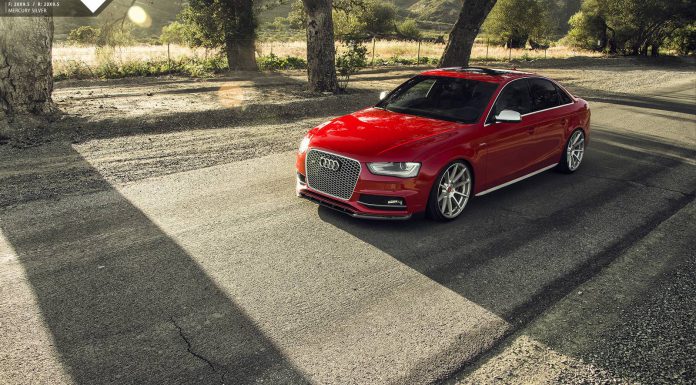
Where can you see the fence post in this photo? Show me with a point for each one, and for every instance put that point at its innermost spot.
(419, 44)
(373, 51)
(510, 54)
(169, 58)
(488, 42)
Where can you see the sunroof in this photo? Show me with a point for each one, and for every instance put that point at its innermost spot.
(484, 70)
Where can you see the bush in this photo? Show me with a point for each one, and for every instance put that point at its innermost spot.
(683, 40)
(350, 62)
(108, 68)
(111, 69)
(275, 63)
(399, 60)
(85, 35)
(409, 30)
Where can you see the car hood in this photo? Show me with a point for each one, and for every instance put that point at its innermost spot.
(374, 132)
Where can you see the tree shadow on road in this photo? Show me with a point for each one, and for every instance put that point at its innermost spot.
(519, 250)
(123, 301)
(675, 101)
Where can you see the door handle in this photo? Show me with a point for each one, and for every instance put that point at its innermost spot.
(530, 130)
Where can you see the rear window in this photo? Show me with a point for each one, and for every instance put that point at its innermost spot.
(455, 99)
(544, 94)
(565, 98)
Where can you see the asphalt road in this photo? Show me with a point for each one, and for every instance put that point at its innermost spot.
(222, 275)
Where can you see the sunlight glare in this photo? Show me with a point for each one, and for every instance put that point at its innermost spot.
(139, 17)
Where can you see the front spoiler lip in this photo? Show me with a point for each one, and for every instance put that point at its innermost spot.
(336, 207)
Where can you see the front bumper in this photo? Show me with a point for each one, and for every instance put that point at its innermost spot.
(342, 207)
(373, 197)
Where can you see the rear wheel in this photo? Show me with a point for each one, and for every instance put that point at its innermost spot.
(573, 153)
(450, 192)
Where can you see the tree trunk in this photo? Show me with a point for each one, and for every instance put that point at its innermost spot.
(241, 54)
(26, 73)
(655, 51)
(240, 36)
(321, 52)
(612, 40)
(603, 39)
(463, 34)
(517, 40)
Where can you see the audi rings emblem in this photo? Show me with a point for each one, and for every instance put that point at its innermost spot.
(329, 164)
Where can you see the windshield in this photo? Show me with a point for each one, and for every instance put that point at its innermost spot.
(460, 100)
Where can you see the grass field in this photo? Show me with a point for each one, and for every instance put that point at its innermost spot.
(384, 49)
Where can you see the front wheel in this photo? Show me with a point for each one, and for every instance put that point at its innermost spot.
(450, 192)
(573, 152)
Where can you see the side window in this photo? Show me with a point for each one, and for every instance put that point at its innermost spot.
(564, 97)
(544, 94)
(515, 96)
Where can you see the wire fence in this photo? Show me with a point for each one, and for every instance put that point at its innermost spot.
(379, 53)
(381, 49)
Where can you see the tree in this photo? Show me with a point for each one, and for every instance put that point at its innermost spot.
(174, 33)
(321, 52)
(86, 35)
(354, 18)
(230, 24)
(463, 34)
(589, 29)
(633, 27)
(559, 12)
(379, 17)
(683, 40)
(26, 72)
(516, 21)
(408, 29)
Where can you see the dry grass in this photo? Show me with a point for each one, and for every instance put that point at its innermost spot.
(90, 55)
(384, 49)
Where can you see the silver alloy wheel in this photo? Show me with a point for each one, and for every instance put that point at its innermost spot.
(453, 190)
(575, 150)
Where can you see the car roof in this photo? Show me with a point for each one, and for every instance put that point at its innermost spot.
(492, 75)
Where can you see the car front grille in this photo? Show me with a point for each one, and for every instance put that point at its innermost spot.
(332, 174)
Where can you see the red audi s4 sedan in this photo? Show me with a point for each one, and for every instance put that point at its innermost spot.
(439, 139)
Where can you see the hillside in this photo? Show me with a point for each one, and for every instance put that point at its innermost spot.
(440, 13)
(444, 11)
(161, 13)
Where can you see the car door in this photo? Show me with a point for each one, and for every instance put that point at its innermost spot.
(507, 154)
(548, 120)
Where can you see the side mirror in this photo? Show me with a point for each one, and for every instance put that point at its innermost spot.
(508, 116)
(383, 95)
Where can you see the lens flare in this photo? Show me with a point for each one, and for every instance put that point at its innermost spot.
(139, 17)
(236, 94)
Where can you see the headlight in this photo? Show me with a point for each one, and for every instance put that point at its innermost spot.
(304, 144)
(398, 169)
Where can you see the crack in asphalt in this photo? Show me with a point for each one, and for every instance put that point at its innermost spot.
(222, 372)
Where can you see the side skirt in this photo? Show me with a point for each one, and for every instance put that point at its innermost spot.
(516, 180)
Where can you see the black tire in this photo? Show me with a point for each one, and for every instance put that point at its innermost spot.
(433, 210)
(564, 164)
